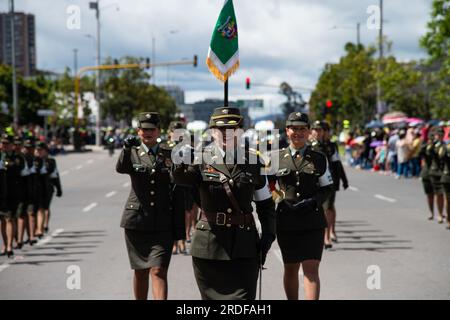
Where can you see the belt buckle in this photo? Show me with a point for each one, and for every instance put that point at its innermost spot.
(221, 214)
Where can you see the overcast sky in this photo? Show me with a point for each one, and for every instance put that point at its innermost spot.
(279, 40)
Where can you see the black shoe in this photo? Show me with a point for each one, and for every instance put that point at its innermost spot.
(328, 246)
(3, 253)
(40, 236)
(19, 245)
(46, 230)
(10, 254)
(32, 242)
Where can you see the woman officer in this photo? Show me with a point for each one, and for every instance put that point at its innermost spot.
(225, 250)
(305, 184)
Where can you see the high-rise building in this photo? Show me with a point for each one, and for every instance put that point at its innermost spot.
(25, 42)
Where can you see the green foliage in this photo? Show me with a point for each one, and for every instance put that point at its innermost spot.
(437, 43)
(128, 92)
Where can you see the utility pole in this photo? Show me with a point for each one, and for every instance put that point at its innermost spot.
(75, 62)
(358, 34)
(13, 65)
(380, 50)
(153, 59)
(96, 7)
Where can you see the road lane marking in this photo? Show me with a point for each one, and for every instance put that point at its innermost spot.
(353, 188)
(47, 239)
(4, 266)
(41, 242)
(79, 167)
(109, 195)
(126, 185)
(381, 197)
(90, 207)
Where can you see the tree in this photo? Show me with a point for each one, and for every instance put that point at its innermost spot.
(128, 92)
(349, 84)
(436, 42)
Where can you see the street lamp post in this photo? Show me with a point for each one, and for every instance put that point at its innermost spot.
(380, 49)
(96, 6)
(358, 31)
(13, 65)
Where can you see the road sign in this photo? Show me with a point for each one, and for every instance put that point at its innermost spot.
(45, 112)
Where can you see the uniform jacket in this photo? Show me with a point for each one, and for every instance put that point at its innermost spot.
(444, 156)
(151, 205)
(217, 242)
(301, 178)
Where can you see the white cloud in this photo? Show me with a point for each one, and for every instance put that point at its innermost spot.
(280, 40)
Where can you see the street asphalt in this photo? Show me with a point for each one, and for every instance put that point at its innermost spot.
(387, 248)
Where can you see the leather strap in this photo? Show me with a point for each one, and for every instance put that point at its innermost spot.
(228, 219)
(230, 194)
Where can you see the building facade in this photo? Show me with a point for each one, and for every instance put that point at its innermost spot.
(25, 42)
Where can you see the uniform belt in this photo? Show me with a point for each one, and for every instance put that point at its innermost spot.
(228, 219)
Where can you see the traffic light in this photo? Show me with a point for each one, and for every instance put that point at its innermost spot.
(195, 60)
(247, 83)
(147, 63)
(116, 62)
(329, 104)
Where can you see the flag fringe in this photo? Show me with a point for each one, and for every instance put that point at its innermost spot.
(216, 72)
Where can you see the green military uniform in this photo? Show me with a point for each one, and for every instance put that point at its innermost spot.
(426, 155)
(3, 189)
(444, 156)
(49, 179)
(151, 217)
(436, 164)
(305, 183)
(15, 167)
(225, 245)
(31, 180)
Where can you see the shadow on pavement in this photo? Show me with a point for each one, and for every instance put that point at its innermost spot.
(362, 239)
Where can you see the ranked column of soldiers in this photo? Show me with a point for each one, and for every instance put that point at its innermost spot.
(28, 180)
(292, 191)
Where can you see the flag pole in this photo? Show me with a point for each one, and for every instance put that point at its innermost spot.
(225, 88)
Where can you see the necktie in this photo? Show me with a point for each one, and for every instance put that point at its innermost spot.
(296, 154)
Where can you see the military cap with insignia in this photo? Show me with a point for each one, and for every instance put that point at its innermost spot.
(297, 119)
(226, 117)
(42, 145)
(18, 140)
(6, 138)
(317, 125)
(176, 125)
(29, 143)
(149, 120)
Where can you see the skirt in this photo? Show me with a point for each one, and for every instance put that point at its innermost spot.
(298, 246)
(438, 188)
(427, 186)
(226, 279)
(148, 249)
(329, 203)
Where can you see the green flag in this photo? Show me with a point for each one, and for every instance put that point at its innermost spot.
(223, 53)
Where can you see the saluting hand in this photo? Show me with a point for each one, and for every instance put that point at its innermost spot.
(132, 141)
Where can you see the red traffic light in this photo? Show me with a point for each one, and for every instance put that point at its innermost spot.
(329, 104)
(247, 83)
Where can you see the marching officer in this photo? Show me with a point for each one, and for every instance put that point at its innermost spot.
(3, 193)
(181, 195)
(151, 219)
(48, 181)
(14, 164)
(338, 174)
(436, 171)
(427, 157)
(32, 189)
(226, 250)
(444, 155)
(305, 183)
(21, 220)
(317, 144)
